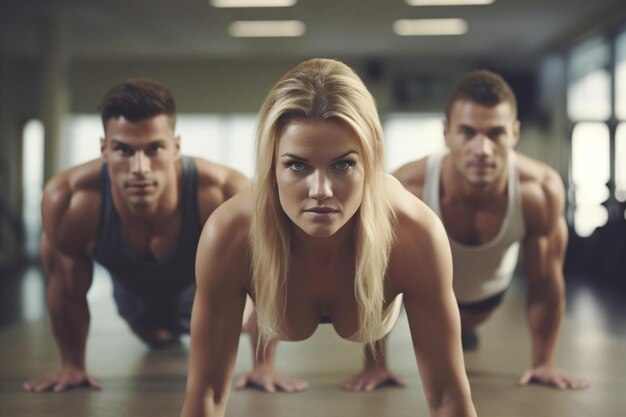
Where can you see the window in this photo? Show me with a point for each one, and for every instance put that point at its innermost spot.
(32, 184)
(82, 142)
(411, 136)
(620, 112)
(590, 173)
(589, 89)
(225, 139)
(589, 108)
(620, 76)
(620, 162)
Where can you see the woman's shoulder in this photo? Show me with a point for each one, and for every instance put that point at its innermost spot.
(421, 247)
(223, 255)
(412, 214)
(229, 224)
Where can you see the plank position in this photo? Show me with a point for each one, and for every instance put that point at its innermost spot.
(492, 200)
(324, 236)
(138, 211)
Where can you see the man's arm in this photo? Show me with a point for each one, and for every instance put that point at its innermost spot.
(235, 182)
(69, 279)
(68, 225)
(218, 184)
(412, 176)
(544, 254)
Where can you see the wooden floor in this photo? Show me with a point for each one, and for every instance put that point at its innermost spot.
(139, 382)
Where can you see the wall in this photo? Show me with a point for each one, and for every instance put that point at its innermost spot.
(205, 85)
(19, 101)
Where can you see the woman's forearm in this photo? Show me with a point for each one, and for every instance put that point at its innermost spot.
(198, 404)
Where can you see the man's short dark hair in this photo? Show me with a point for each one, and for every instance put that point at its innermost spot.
(482, 87)
(137, 99)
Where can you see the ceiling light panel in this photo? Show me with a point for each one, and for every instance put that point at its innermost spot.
(266, 28)
(253, 3)
(430, 27)
(448, 2)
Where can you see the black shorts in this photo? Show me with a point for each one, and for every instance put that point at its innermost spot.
(163, 310)
(485, 305)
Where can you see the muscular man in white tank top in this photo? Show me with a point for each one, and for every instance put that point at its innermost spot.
(492, 200)
(485, 267)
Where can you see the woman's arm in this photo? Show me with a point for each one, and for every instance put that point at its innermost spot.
(426, 270)
(222, 266)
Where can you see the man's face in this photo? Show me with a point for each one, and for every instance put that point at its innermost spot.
(480, 139)
(320, 175)
(141, 157)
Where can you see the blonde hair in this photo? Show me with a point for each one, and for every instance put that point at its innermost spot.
(319, 89)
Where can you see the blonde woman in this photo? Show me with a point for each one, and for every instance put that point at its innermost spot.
(324, 235)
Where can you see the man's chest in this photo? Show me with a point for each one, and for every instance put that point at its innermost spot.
(151, 243)
(473, 224)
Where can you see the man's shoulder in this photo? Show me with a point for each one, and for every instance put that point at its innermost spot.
(215, 175)
(538, 175)
(69, 202)
(542, 193)
(411, 214)
(413, 175)
(216, 184)
(84, 179)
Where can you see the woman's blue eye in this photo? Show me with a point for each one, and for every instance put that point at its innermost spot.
(297, 166)
(343, 165)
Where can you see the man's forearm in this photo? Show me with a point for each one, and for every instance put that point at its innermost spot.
(70, 325)
(545, 311)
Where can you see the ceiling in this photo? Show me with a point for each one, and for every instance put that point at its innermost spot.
(507, 31)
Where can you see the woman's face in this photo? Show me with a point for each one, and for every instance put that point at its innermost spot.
(320, 175)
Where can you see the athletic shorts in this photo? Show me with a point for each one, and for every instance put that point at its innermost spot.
(485, 305)
(163, 310)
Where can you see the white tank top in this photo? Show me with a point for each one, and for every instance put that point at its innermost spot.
(481, 271)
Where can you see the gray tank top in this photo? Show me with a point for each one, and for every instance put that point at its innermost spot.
(146, 276)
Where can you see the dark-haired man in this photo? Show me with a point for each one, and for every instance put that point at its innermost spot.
(138, 211)
(492, 200)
